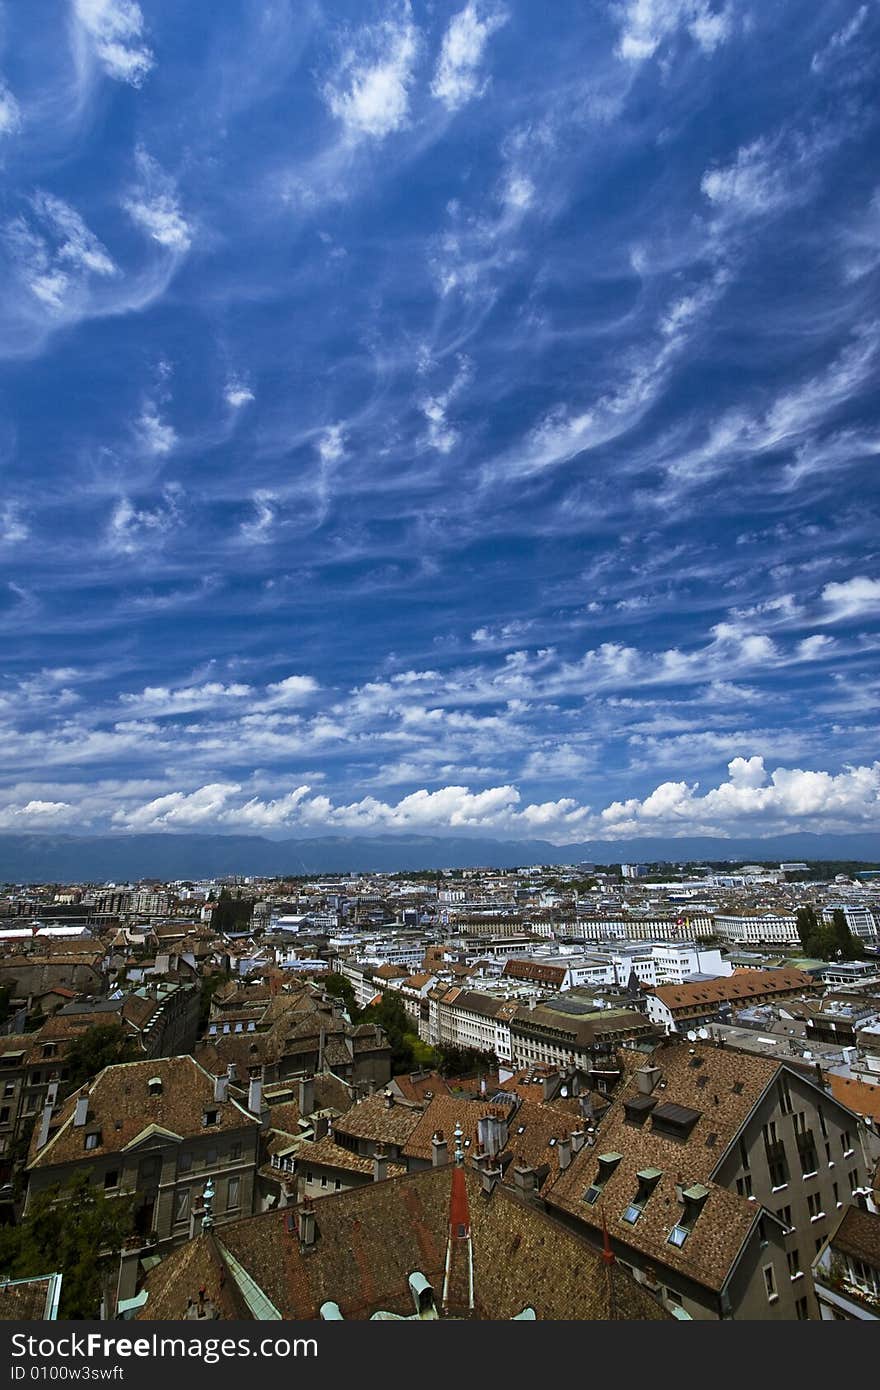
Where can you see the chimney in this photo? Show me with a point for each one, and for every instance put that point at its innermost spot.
(307, 1231)
(81, 1113)
(524, 1178)
(221, 1089)
(380, 1164)
(389, 1099)
(321, 1126)
(488, 1178)
(549, 1086)
(647, 1078)
(255, 1096)
(231, 1072)
(578, 1139)
(306, 1095)
(439, 1150)
(45, 1122)
(563, 1152)
(492, 1133)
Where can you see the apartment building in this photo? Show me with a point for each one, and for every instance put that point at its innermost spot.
(682, 1008)
(159, 1129)
(757, 928)
(718, 1176)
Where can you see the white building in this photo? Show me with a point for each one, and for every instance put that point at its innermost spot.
(758, 928)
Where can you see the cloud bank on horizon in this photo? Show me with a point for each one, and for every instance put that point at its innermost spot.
(440, 418)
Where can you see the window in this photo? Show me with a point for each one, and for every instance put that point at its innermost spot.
(834, 1189)
(9, 1088)
(4, 1114)
(210, 1158)
(828, 1159)
(853, 1179)
(678, 1235)
(774, 1149)
(770, 1284)
(648, 1180)
(111, 1179)
(93, 1139)
(672, 1297)
(309, 1177)
(337, 1185)
(743, 1153)
(807, 1153)
(784, 1214)
(820, 1241)
(801, 1309)
(235, 1153)
(744, 1186)
(784, 1095)
(210, 1117)
(846, 1143)
(814, 1206)
(794, 1264)
(184, 1162)
(323, 1179)
(233, 1193)
(822, 1124)
(181, 1204)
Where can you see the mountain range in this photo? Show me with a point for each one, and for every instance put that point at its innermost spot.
(115, 858)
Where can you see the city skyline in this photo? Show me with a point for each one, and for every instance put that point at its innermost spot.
(439, 419)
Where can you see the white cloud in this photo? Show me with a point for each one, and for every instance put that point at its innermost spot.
(237, 393)
(153, 206)
(858, 597)
(200, 807)
(331, 445)
(115, 29)
(646, 24)
(369, 93)
(10, 111)
(839, 41)
(292, 690)
(133, 529)
(159, 700)
(457, 77)
(259, 529)
(56, 252)
(13, 528)
(155, 434)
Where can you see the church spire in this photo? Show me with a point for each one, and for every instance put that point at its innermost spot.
(458, 1279)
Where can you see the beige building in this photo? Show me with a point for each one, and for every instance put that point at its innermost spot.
(159, 1129)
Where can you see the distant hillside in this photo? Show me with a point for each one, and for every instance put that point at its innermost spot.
(71, 858)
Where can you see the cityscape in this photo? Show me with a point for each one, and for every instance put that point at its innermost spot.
(440, 602)
(596, 1092)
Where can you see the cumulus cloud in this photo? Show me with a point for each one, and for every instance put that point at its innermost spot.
(153, 206)
(858, 597)
(115, 30)
(646, 24)
(369, 93)
(457, 79)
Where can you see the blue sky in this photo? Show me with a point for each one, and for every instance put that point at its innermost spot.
(439, 417)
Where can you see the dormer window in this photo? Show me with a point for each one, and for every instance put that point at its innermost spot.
(93, 1139)
(154, 1086)
(210, 1117)
(693, 1201)
(607, 1164)
(648, 1180)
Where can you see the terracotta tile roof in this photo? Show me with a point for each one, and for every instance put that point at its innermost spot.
(372, 1237)
(741, 986)
(373, 1119)
(121, 1108)
(722, 1090)
(27, 1299)
(197, 1264)
(332, 1155)
(859, 1235)
(859, 1096)
(421, 1086)
(444, 1113)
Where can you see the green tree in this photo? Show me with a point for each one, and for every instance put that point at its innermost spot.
(73, 1229)
(210, 986)
(341, 987)
(849, 947)
(231, 914)
(808, 925)
(101, 1046)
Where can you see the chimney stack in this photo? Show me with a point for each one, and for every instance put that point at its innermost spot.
(563, 1151)
(492, 1133)
(524, 1178)
(578, 1139)
(389, 1099)
(307, 1229)
(647, 1078)
(439, 1150)
(81, 1113)
(380, 1164)
(255, 1096)
(550, 1086)
(221, 1089)
(306, 1095)
(488, 1178)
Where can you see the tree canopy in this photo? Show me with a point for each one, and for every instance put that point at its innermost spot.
(101, 1046)
(74, 1229)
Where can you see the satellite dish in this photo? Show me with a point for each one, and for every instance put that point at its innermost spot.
(692, 1037)
(703, 1033)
